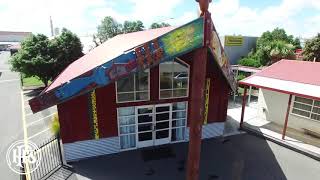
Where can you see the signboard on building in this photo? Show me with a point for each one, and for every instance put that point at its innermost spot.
(233, 41)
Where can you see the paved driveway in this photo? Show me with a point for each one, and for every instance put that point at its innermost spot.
(10, 113)
(240, 157)
(11, 122)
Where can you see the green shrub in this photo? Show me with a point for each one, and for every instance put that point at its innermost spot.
(249, 61)
(240, 77)
(55, 125)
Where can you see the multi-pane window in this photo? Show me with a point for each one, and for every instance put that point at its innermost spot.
(134, 87)
(179, 116)
(127, 127)
(306, 107)
(174, 79)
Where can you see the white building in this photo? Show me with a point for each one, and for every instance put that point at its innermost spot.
(8, 38)
(289, 94)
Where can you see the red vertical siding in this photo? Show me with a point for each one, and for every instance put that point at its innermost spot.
(219, 92)
(107, 111)
(74, 115)
(154, 83)
(74, 119)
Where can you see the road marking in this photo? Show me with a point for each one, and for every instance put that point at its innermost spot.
(29, 114)
(9, 80)
(28, 125)
(38, 133)
(25, 134)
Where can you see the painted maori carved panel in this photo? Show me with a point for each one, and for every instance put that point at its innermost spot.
(170, 45)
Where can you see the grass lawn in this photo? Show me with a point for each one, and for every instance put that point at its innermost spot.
(32, 81)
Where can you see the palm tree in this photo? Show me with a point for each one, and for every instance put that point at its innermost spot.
(280, 50)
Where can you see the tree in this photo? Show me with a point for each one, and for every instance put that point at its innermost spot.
(281, 50)
(132, 26)
(275, 45)
(68, 48)
(45, 59)
(311, 50)
(35, 58)
(108, 29)
(157, 25)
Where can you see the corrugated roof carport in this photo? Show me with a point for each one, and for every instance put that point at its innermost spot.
(299, 78)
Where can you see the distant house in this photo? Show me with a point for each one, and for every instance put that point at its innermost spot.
(289, 94)
(9, 38)
(14, 48)
(137, 90)
(237, 47)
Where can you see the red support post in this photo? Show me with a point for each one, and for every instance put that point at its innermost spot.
(197, 107)
(287, 117)
(197, 95)
(243, 106)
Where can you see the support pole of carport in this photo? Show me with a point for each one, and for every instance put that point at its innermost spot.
(249, 97)
(243, 106)
(287, 117)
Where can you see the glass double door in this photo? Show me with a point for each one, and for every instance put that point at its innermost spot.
(153, 125)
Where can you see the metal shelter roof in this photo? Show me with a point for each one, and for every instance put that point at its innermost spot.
(289, 76)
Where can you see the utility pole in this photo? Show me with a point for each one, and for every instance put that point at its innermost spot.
(51, 27)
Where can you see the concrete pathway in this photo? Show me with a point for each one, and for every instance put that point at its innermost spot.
(251, 120)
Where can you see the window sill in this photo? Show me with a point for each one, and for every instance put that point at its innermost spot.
(133, 101)
(307, 118)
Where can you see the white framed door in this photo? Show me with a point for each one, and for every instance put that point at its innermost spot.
(162, 124)
(145, 126)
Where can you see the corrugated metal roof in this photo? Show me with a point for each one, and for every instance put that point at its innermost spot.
(299, 78)
(105, 52)
(17, 33)
(291, 70)
(246, 68)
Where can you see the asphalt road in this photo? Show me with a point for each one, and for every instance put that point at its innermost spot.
(238, 157)
(10, 113)
(13, 106)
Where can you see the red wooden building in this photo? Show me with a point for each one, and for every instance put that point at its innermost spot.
(138, 90)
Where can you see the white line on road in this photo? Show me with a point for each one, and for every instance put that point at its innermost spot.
(9, 80)
(38, 133)
(40, 120)
(25, 134)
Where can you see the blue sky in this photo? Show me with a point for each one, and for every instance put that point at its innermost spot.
(240, 17)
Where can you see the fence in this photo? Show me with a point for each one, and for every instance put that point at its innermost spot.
(51, 160)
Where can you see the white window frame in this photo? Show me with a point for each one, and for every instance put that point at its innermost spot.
(134, 90)
(119, 126)
(311, 111)
(172, 89)
(185, 125)
(136, 124)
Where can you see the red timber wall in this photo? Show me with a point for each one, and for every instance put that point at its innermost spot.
(74, 114)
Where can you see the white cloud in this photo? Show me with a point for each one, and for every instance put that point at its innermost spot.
(33, 15)
(231, 18)
(83, 16)
(148, 10)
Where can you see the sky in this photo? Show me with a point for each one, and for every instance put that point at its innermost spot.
(231, 17)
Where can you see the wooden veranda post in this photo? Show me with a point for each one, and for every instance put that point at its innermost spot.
(287, 116)
(198, 98)
(243, 106)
